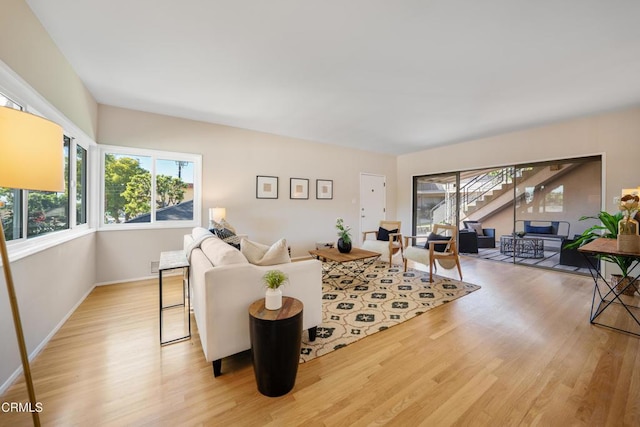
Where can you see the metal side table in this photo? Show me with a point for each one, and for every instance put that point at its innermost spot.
(173, 260)
(610, 306)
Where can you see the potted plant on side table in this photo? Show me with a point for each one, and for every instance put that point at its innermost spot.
(609, 230)
(273, 279)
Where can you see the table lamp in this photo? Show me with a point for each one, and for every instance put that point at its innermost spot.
(31, 158)
(216, 215)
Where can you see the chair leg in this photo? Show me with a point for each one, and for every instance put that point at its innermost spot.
(404, 261)
(431, 262)
(459, 269)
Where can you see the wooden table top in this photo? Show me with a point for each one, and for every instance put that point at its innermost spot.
(605, 246)
(335, 255)
(290, 307)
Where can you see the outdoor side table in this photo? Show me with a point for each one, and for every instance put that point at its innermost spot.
(276, 336)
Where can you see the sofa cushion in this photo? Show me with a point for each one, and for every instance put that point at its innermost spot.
(477, 227)
(220, 253)
(538, 229)
(198, 235)
(383, 234)
(260, 254)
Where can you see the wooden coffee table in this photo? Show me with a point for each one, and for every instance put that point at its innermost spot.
(336, 264)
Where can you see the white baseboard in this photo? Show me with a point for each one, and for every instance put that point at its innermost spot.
(134, 279)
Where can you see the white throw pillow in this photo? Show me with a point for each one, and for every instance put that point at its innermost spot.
(221, 253)
(260, 254)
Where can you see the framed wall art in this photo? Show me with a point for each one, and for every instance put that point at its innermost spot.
(299, 188)
(324, 189)
(266, 187)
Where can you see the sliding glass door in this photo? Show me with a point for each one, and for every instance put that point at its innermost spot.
(434, 201)
(550, 198)
(522, 214)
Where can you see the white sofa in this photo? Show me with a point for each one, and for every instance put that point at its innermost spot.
(223, 286)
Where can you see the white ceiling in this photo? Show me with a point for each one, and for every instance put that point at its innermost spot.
(393, 76)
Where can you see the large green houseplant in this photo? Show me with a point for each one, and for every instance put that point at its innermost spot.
(609, 230)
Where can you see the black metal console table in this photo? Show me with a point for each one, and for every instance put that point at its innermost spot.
(610, 307)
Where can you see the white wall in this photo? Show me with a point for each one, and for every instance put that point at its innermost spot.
(231, 159)
(26, 47)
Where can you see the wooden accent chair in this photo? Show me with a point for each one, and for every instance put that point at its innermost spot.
(441, 246)
(388, 239)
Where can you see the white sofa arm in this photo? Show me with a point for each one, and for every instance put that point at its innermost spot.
(226, 292)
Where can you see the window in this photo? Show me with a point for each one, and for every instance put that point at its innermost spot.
(553, 201)
(127, 188)
(174, 190)
(49, 211)
(130, 177)
(11, 217)
(81, 185)
(9, 197)
(26, 214)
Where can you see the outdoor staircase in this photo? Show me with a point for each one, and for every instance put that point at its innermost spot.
(484, 195)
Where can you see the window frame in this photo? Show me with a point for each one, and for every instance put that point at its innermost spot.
(155, 155)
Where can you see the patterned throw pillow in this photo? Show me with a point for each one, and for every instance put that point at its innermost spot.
(227, 236)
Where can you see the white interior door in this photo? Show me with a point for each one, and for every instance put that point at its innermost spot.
(372, 201)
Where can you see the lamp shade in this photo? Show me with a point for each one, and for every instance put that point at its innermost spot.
(217, 214)
(31, 154)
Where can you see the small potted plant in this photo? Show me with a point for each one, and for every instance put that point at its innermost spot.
(344, 241)
(273, 279)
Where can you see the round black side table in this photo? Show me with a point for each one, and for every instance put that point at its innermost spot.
(276, 336)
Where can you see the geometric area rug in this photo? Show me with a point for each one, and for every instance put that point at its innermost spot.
(390, 297)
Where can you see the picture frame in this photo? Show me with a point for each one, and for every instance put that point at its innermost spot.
(324, 189)
(299, 188)
(266, 187)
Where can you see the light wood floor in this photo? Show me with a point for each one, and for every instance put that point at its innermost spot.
(520, 351)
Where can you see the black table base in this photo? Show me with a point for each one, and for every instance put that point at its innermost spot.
(275, 350)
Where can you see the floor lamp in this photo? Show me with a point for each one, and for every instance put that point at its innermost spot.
(31, 158)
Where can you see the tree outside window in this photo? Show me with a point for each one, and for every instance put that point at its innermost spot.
(49, 211)
(128, 187)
